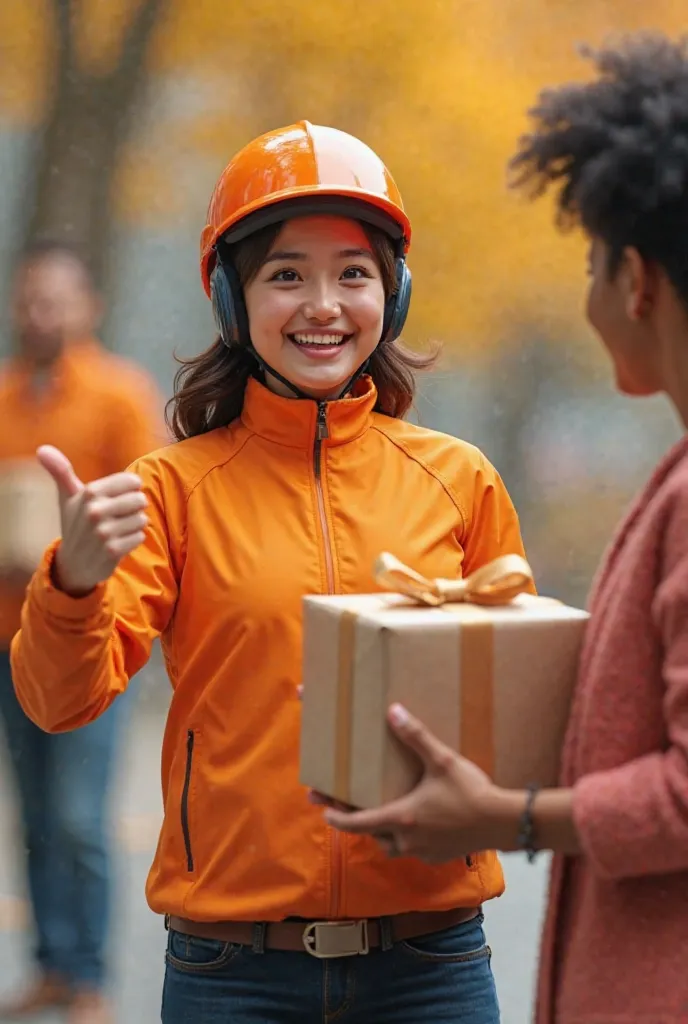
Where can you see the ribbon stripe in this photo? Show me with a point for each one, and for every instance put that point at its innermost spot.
(345, 696)
(476, 694)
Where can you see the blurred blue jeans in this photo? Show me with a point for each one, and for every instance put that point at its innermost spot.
(445, 978)
(63, 783)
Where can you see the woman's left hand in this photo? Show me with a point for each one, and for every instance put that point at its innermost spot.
(455, 809)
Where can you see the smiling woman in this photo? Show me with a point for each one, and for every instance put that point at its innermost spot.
(316, 306)
(293, 471)
(297, 265)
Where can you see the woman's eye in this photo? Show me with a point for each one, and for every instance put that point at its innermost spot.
(285, 275)
(352, 273)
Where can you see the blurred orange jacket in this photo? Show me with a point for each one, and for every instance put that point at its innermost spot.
(293, 498)
(101, 410)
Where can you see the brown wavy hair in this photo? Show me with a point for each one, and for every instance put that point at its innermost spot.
(209, 388)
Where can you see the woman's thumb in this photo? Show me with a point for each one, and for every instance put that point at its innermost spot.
(432, 752)
(60, 469)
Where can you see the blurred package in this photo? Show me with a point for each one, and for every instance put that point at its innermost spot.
(488, 668)
(29, 514)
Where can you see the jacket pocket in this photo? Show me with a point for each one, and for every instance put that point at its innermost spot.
(186, 830)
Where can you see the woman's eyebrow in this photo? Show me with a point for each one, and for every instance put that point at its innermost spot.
(349, 253)
(282, 254)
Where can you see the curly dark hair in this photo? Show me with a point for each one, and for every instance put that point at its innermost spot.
(617, 149)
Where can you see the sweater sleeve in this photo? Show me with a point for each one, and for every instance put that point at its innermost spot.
(73, 656)
(633, 820)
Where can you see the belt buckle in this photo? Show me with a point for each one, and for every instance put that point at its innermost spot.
(327, 940)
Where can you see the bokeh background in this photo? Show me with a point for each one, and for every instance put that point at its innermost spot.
(117, 116)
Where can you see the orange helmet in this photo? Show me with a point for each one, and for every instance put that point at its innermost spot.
(276, 174)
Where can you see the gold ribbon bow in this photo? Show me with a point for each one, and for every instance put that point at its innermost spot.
(498, 582)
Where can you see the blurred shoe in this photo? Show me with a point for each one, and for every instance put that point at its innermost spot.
(48, 993)
(90, 1008)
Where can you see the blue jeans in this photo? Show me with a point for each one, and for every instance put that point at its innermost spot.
(62, 783)
(443, 978)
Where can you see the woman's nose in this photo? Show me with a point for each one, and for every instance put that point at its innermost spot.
(322, 306)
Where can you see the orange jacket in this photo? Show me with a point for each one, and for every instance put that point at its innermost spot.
(244, 521)
(100, 409)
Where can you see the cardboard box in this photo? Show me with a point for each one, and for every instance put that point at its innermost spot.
(29, 514)
(493, 681)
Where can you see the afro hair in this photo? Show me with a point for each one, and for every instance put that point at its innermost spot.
(616, 151)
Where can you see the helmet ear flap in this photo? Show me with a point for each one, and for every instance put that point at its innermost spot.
(397, 305)
(229, 308)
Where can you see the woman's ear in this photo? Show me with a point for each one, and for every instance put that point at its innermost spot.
(638, 278)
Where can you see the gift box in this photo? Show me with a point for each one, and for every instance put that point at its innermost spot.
(489, 668)
(29, 514)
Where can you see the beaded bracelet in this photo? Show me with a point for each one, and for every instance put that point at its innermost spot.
(526, 831)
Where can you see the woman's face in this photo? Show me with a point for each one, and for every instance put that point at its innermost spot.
(616, 310)
(316, 306)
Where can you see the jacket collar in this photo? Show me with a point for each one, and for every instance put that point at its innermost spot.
(293, 421)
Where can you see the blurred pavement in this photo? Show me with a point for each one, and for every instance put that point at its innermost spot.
(139, 936)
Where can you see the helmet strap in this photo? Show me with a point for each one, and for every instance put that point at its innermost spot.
(265, 368)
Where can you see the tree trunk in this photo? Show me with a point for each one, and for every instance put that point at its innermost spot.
(90, 117)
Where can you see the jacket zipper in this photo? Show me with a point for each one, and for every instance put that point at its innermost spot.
(185, 800)
(321, 433)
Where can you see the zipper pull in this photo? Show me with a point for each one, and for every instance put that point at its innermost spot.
(321, 431)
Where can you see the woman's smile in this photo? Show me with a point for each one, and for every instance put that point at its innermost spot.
(319, 344)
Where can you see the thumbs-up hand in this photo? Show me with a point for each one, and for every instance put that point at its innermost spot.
(102, 522)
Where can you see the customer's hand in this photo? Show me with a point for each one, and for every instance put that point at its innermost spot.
(101, 522)
(455, 809)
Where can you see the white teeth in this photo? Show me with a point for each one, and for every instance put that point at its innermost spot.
(318, 339)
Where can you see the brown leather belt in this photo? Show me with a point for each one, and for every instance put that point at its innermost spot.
(325, 939)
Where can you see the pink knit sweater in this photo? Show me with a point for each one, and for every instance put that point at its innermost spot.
(615, 944)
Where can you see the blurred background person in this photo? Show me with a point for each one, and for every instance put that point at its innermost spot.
(62, 387)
